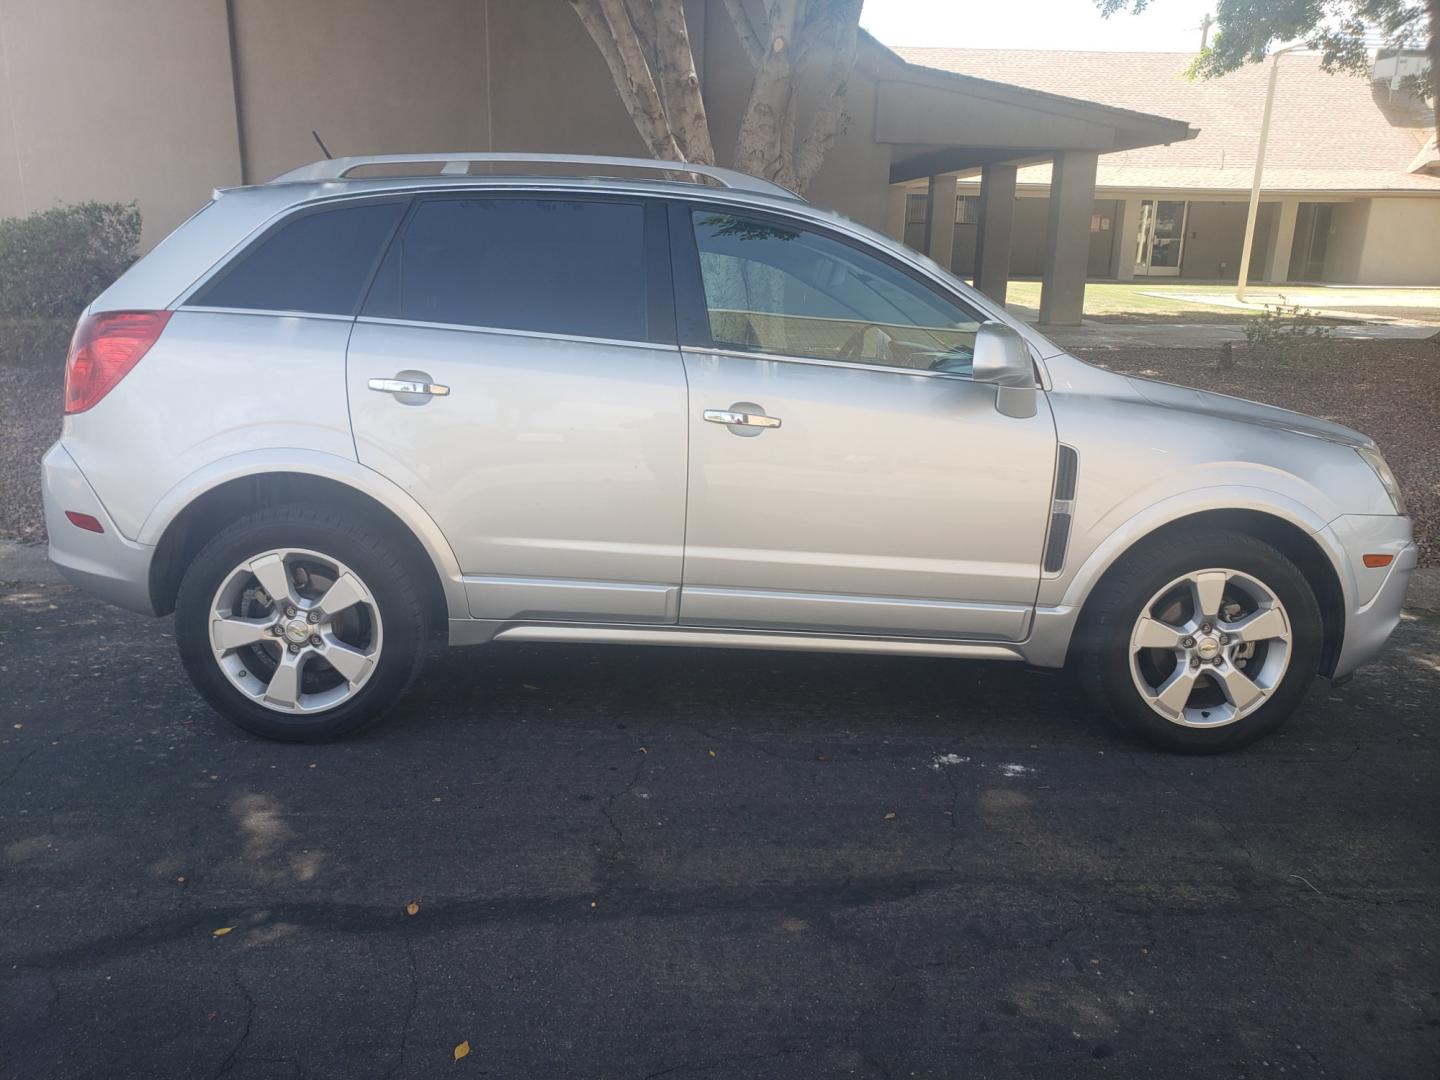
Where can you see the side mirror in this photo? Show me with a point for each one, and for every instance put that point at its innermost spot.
(1002, 358)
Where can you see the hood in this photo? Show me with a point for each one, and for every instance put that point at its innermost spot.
(1246, 412)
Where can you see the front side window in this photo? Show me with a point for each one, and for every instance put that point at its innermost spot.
(778, 288)
(548, 265)
(315, 262)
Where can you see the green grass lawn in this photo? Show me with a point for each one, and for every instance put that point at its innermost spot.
(1177, 302)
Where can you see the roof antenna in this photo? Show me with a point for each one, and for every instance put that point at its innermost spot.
(321, 143)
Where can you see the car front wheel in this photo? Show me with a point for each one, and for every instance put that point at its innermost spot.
(1204, 644)
(299, 625)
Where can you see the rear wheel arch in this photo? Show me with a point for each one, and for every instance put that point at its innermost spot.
(1284, 536)
(210, 512)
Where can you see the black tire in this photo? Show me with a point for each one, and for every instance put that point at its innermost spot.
(1102, 641)
(382, 564)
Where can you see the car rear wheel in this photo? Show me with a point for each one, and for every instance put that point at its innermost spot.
(1201, 645)
(299, 625)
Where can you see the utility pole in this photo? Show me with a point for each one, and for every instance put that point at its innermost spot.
(1259, 171)
(1205, 24)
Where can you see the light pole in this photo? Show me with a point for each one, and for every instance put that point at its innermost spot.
(1259, 169)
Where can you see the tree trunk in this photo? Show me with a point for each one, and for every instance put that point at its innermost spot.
(646, 46)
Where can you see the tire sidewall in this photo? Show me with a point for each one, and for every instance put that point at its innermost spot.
(378, 565)
(1151, 570)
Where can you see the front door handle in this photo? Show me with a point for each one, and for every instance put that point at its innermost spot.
(734, 418)
(409, 386)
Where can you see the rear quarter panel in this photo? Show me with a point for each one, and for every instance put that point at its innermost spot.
(214, 385)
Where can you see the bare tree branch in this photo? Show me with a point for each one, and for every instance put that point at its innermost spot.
(610, 28)
(745, 31)
(759, 147)
(830, 116)
(680, 84)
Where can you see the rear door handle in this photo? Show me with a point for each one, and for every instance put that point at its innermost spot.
(409, 386)
(731, 418)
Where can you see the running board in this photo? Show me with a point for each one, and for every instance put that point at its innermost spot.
(693, 637)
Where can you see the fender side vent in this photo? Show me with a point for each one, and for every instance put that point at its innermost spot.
(1066, 468)
(1062, 509)
(1056, 542)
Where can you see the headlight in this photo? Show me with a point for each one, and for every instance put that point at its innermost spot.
(1374, 459)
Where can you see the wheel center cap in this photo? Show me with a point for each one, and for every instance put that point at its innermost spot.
(297, 631)
(1207, 647)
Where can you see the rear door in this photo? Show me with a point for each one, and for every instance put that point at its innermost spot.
(515, 369)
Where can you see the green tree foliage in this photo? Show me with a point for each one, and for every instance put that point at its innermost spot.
(1246, 30)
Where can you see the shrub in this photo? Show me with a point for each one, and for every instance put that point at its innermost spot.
(34, 341)
(54, 262)
(1289, 335)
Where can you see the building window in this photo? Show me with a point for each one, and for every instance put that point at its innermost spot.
(967, 209)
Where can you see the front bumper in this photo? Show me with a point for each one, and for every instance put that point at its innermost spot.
(1374, 597)
(105, 564)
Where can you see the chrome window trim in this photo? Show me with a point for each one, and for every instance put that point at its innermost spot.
(543, 335)
(266, 312)
(854, 365)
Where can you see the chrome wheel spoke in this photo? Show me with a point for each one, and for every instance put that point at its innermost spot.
(232, 632)
(1239, 689)
(1174, 692)
(1209, 590)
(1154, 634)
(351, 663)
(284, 688)
(274, 577)
(1263, 625)
(346, 592)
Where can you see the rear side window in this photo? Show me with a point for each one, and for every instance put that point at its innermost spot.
(547, 265)
(317, 262)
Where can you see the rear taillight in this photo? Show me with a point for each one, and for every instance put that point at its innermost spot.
(105, 347)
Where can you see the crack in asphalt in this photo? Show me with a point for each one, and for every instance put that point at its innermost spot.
(815, 898)
(610, 799)
(230, 1058)
(409, 1009)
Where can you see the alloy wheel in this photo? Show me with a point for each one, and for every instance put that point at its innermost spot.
(295, 630)
(1210, 648)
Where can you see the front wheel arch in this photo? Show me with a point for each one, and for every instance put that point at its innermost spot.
(1290, 540)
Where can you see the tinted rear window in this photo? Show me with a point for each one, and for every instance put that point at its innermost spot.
(316, 262)
(547, 265)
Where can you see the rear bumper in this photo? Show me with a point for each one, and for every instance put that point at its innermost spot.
(1374, 596)
(104, 564)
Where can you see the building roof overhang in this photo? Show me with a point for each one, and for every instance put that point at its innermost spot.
(938, 121)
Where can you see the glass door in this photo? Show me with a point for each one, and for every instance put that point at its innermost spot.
(1160, 237)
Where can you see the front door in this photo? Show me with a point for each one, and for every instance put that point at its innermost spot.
(1160, 238)
(511, 370)
(846, 475)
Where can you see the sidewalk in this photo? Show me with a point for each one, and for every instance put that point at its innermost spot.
(1102, 335)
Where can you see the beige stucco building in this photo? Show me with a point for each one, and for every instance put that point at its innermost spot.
(1350, 191)
(161, 101)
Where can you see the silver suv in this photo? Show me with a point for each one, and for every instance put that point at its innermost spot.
(334, 416)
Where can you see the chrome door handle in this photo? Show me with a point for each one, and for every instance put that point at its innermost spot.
(741, 419)
(408, 386)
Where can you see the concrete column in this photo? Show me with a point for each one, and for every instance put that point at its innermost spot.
(895, 199)
(1127, 221)
(1067, 238)
(992, 241)
(1277, 255)
(940, 223)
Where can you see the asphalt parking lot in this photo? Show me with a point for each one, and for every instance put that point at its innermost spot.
(678, 863)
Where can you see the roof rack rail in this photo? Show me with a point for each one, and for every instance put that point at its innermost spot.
(459, 165)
